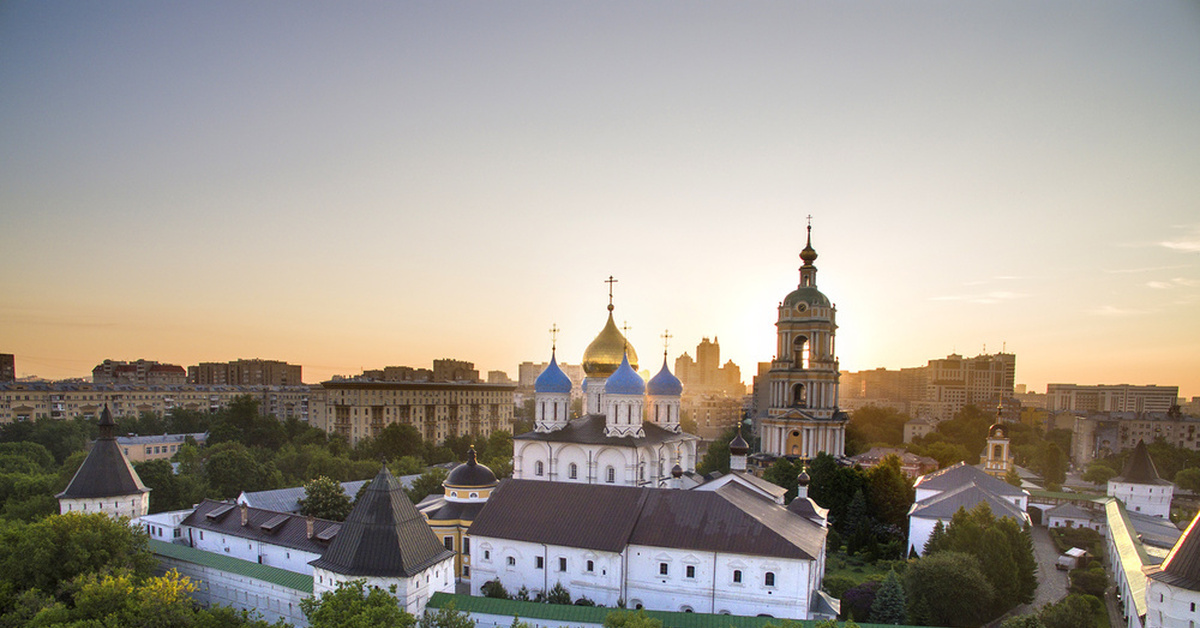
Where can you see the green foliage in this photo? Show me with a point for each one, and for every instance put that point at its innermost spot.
(1188, 480)
(1071, 612)
(890, 606)
(1090, 581)
(783, 473)
(1004, 551)
(429, 483)
(231, 468)
(324, 499)
(1012, 477)
(889, 492)
(494, 588)
(872, 425)
(446, 617)
(834, 486)
(947, 589)
(57, 549)
(968, 429)
(1053, 465)
(1023, 621)
(26, 457)
(169, 491)
(631, 619)
(60, 437)
(241, 422)
(1099, 473)
(716, 457)
(837, 585)
(355, 605)
(558, 594)
(1168, 459)
(946, 453)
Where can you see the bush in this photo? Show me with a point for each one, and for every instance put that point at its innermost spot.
(837, 585)
(558, 595)
(584, 601)
(493, 588)
(1089, 581)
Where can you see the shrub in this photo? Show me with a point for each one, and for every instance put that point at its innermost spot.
(493, 588)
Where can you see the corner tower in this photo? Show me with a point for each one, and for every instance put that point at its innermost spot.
(803, 418)
(106, 482)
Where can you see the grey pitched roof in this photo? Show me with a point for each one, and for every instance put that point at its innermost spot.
(1140, 469)
(960, 474)
(438, 508)
(589, 430)
(1070, 510)
(267, 526)
(1182, 566)
(106, 471)
(384, 535)
(732, 519)
(288, 499)
(945, 504)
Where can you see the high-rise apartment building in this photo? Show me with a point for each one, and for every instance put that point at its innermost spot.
(360, 408)
(447, 370)
(938, 390)
(139, 373)
(1115, 398)
(254, 372)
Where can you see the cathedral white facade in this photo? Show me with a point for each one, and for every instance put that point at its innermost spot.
(630, 433)
(803, 418)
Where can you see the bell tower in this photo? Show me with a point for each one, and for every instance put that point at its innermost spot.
(803, 418)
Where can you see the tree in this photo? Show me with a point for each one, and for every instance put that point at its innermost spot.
(395, 441)
(325, 499)
(947, 589)
(446, 617)
(169, 491)
(783, 473)
(1053, 465)
(494, 588)
(833, 486)
(558, 594)
(871, 425)
(716, 457)
(890, 606)
(1004, 551)
(231, 469)
(355, 605)
(1070, 612)
(1012, 477)
(1188, 480)
(429, 483)
(937, 539)
(1023, 621)
(858, 600)
(59, 548)
(889, 493)
(631, 619)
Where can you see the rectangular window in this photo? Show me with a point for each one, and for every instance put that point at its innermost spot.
(487, 554)
(691, 571)
(662, 569)
(562, 564)
(737, 575)
(591, 566)
(538, 562)
(449, 543)
(466, 546)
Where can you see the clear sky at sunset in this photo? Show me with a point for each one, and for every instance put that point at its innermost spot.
(350, 185)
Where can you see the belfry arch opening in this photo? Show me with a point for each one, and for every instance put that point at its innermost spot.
(799, 396)
(800, 351)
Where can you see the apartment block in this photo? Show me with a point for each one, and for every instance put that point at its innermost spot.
(139, 373)
(254, 372)
(1114, 398)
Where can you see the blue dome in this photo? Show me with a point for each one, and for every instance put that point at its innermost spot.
(665, 384)
(552, 380)
(625, 381)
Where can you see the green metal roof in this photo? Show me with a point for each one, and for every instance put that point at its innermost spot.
(596, 614)
(275, 575)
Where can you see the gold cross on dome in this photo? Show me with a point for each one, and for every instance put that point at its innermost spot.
(554, 336)
(610, 281)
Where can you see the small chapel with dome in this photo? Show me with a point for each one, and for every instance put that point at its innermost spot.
(630, 434)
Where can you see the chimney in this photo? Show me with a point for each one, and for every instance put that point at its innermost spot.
(309, 522)
(245, 513)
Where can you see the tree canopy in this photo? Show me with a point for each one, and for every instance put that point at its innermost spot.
(325, 499)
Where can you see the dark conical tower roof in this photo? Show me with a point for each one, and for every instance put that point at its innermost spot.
(1140, 468)
(384, 535)
(106, 471)
(1182, 566)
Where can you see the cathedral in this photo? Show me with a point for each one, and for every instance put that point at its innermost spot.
(802, 417)
(630, 433)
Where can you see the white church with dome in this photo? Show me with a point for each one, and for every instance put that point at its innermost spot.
(630, 433)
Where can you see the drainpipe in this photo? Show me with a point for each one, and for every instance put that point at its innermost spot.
(713, 609)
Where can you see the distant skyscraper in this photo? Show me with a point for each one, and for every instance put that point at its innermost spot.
(803, 418)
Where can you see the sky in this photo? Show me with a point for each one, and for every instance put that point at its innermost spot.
(354, 185)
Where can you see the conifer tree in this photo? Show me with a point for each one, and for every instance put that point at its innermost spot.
(890, 606)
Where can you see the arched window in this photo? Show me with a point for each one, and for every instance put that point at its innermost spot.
(610, 475)
(998, 452)
(573, 471)
(539, 468)
(800, 352)
(769, 579)
(799, 396)
(737, 576)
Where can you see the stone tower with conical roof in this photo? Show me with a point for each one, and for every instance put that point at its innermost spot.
(106, 482)
(387, 543)
(1140, 486)
(803, 418)
(1173, 587)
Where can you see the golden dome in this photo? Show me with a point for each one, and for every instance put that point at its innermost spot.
(604, 355)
